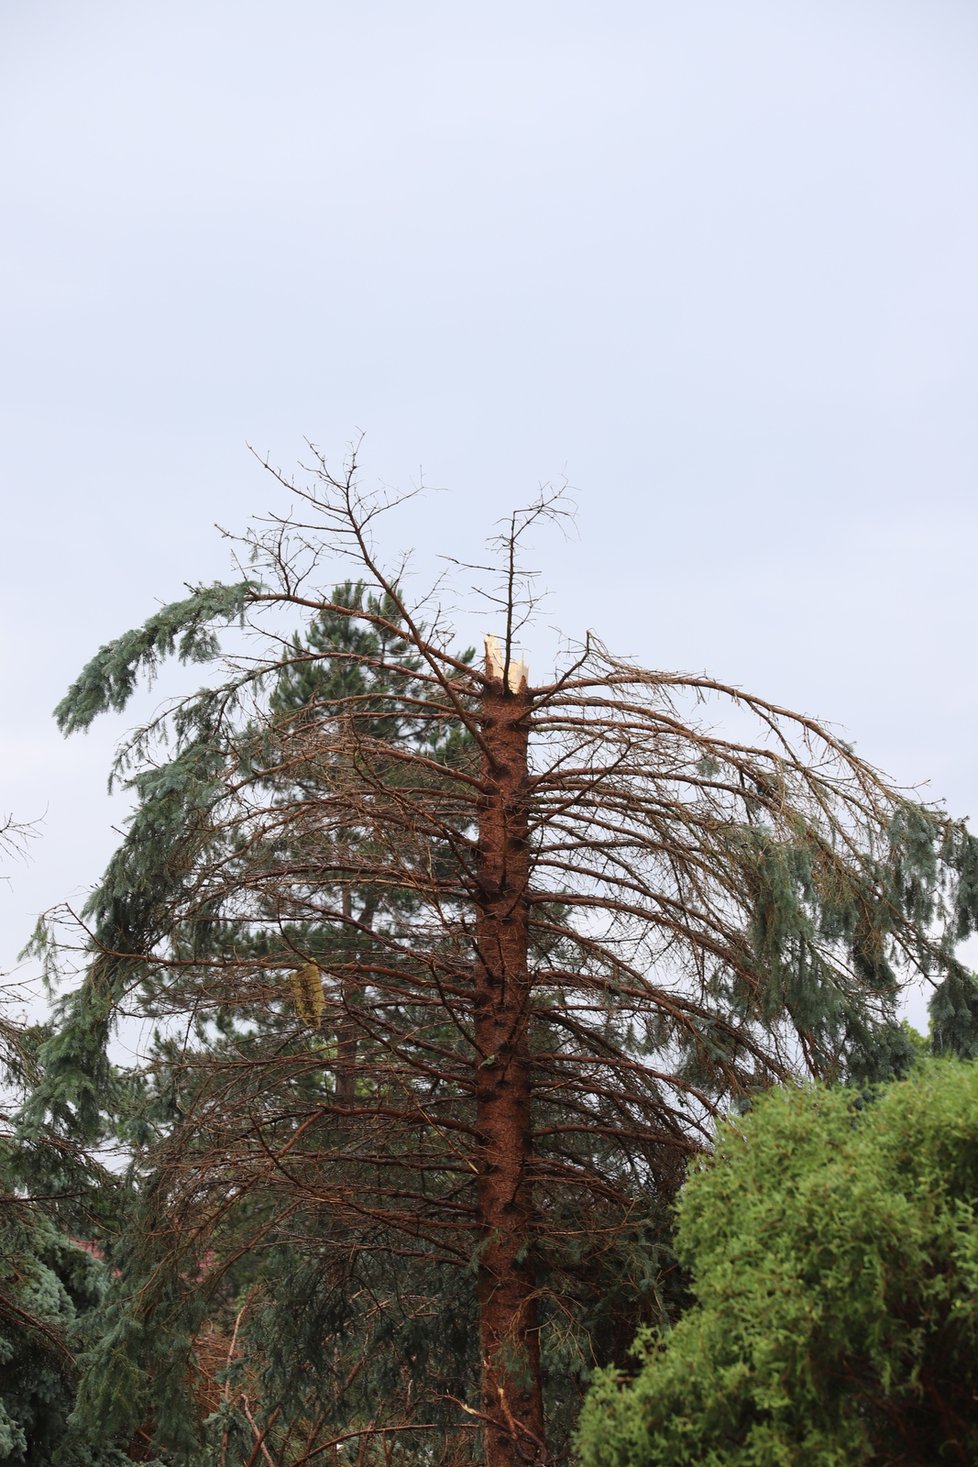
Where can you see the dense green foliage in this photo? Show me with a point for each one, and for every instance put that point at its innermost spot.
(954, 1016)
(49, 1288)
(833, 1244)
(51, 1285)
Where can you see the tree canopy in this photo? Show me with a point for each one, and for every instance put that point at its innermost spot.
(453, 970)
(51, 1284)
(833, 1246)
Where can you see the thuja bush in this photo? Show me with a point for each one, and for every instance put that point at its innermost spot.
(833, 1245)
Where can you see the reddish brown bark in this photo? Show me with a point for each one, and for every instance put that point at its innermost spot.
(509, 1331)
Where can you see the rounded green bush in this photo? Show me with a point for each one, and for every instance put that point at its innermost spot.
(833, 1244)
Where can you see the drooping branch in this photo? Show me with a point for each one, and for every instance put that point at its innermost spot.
(466, 967)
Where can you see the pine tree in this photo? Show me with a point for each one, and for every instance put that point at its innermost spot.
(472, 963)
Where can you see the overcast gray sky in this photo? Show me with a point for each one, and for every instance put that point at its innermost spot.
(714, 262)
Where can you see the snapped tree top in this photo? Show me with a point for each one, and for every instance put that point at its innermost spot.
(488, 951)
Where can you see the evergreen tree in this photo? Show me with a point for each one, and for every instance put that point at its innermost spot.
(471, 965)
(954, 1015)
(833, 1246)
(50, 1290)
(51, 1284)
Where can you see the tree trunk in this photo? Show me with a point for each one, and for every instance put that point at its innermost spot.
(351, 998)
(346, 1032)
(512, 1402)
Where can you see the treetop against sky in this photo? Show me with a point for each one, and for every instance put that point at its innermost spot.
(558, 925)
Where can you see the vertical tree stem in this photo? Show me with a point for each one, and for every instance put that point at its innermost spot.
(509, 1330)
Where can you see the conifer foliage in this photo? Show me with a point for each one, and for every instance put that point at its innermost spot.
(51, 1286)
(833, 1243)
(452, 969)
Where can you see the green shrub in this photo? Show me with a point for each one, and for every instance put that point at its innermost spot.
(833, 1244)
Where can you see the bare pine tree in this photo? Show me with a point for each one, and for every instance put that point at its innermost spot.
(489, 948)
